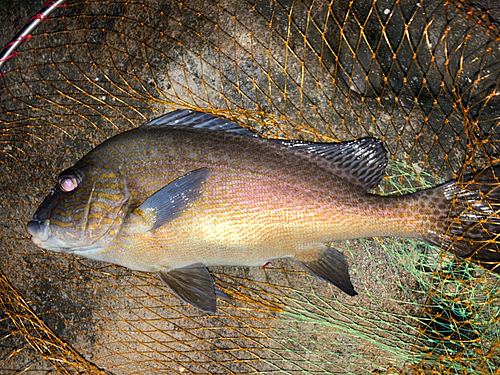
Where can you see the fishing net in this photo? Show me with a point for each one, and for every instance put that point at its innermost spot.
(420, 75)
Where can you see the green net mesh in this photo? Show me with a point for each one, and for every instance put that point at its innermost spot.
(422, 76)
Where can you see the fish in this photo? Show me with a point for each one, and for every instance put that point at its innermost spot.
(189, 190)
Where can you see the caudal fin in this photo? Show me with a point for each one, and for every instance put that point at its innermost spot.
(472, 225)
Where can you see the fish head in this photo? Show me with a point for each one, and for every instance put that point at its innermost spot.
(84, 211)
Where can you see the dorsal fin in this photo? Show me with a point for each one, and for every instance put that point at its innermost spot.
(194, 119)
(361, 162)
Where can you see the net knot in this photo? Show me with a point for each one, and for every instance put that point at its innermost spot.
(21, 39)
(15, 53)
(40, 17)
(51, 3)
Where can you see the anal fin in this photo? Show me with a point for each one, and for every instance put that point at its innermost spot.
(330, 265)
(194, 285)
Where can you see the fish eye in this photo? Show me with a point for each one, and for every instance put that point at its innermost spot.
(68, 182)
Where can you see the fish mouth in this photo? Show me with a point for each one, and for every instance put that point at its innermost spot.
(39, 231)
(40, 235)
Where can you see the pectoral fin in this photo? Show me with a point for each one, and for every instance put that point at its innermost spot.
(330, 265)
(170, 201)
(194, 285)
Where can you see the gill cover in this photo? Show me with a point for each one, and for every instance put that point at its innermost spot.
(84, 211)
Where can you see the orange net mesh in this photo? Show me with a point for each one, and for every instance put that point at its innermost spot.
(420, 75)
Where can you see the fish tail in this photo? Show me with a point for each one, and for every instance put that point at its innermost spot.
(466, 218)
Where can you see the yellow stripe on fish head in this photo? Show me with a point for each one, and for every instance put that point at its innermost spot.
(87, 207)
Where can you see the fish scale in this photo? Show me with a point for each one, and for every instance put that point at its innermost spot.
(189, 190)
